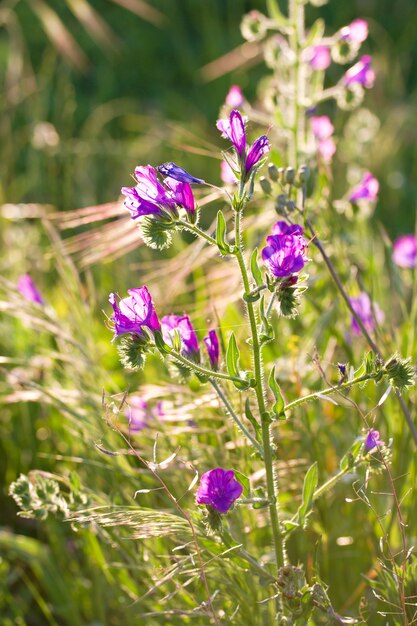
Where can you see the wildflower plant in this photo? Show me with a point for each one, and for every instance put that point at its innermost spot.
(284, 171)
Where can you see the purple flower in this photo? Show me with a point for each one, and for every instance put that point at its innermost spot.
(322, 127)
(356, 32)
(259, 147)
(134, 312)
(178, 173)
(183, 194)
(285, 253)
(319, 57)
(366, 190)
(218, 489)
(148, 196)
(361, 73)
(140, 414)
(405, 251)
(28, 289)
(372, 440)
(233, 129)
(367, 312)
(234, 97)
(189, 341)
(212, 345)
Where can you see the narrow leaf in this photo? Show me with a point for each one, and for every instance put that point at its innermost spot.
(251, 418)
(278, 407)
(310, 485)
(244, 481)
(256, 272)
(232, 356)
(221, 234)
(275, 12)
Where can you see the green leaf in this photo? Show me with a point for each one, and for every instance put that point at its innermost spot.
(252, 419)
(160, 343)
(278, 407)
(256, 272)
(316, 32)
(244, 481)
(268, 331)
(156, 233)
(221, 234)
(232, 362)
(309, 487)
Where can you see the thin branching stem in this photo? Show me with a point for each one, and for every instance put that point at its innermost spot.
(325, 392)
(197, 231)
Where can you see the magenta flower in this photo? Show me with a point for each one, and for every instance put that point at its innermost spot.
(368, 313)
(372, 440)
(233, 129)
(367, 189)
(140, 414)
(227, 174)
(319, 57)
(285, 253)
(134, 312)
(212, 345)
(178, 173)
(182, 193)
(361, 73)
(356, 32)
(218, 489)
(234, 97)
(405, 251)
(326, 148)
(322, 127)
(28, 289)
(188, 336)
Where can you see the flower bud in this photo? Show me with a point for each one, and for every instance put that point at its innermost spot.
(265, 185)
(273, 171)
(290, 175)
(281, 204)
(253, 26)
(303, 173)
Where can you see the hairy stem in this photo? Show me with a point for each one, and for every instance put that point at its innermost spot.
(197, 231)
(210, 374)
(329, 390)
(266, 435)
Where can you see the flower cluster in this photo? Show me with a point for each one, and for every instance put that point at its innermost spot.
(234, 130)
(285, 253)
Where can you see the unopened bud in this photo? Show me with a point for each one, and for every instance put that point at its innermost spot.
(265, 185)
(281, 204)
(303, 173)
(291, 205)
(290, 175)
(254, 26)
(273, 171)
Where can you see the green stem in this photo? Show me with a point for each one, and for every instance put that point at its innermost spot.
(197, 231)
(328, 391)
(266, 436)
(210, 374)
(228, 540)
(235, 418)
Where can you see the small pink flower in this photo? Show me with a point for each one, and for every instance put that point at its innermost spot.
(234, 97)
(322, 127)
(356, 32)
(319, 57)
(367, 189)
(326, 149)
(405, 251)
(226, 174)
(361, 73)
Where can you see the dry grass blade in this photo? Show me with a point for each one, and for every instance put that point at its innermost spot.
(142, 523)
(143, 10)
(59, 35)
(93, 23)
(249, 53)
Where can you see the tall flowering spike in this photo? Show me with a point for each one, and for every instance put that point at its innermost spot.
(183, 194)
(218, 489)
(134, 312)
(372, 440)
(319, 57)
(182, 324)
(234, 97)
(285, 253)
(29, 290)
(259, 148)
(367, 189)
(212, 345)
(368, 313)
(361, 73)
(178, 173)
(356, 32)
(405, 251)
(233, 129)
